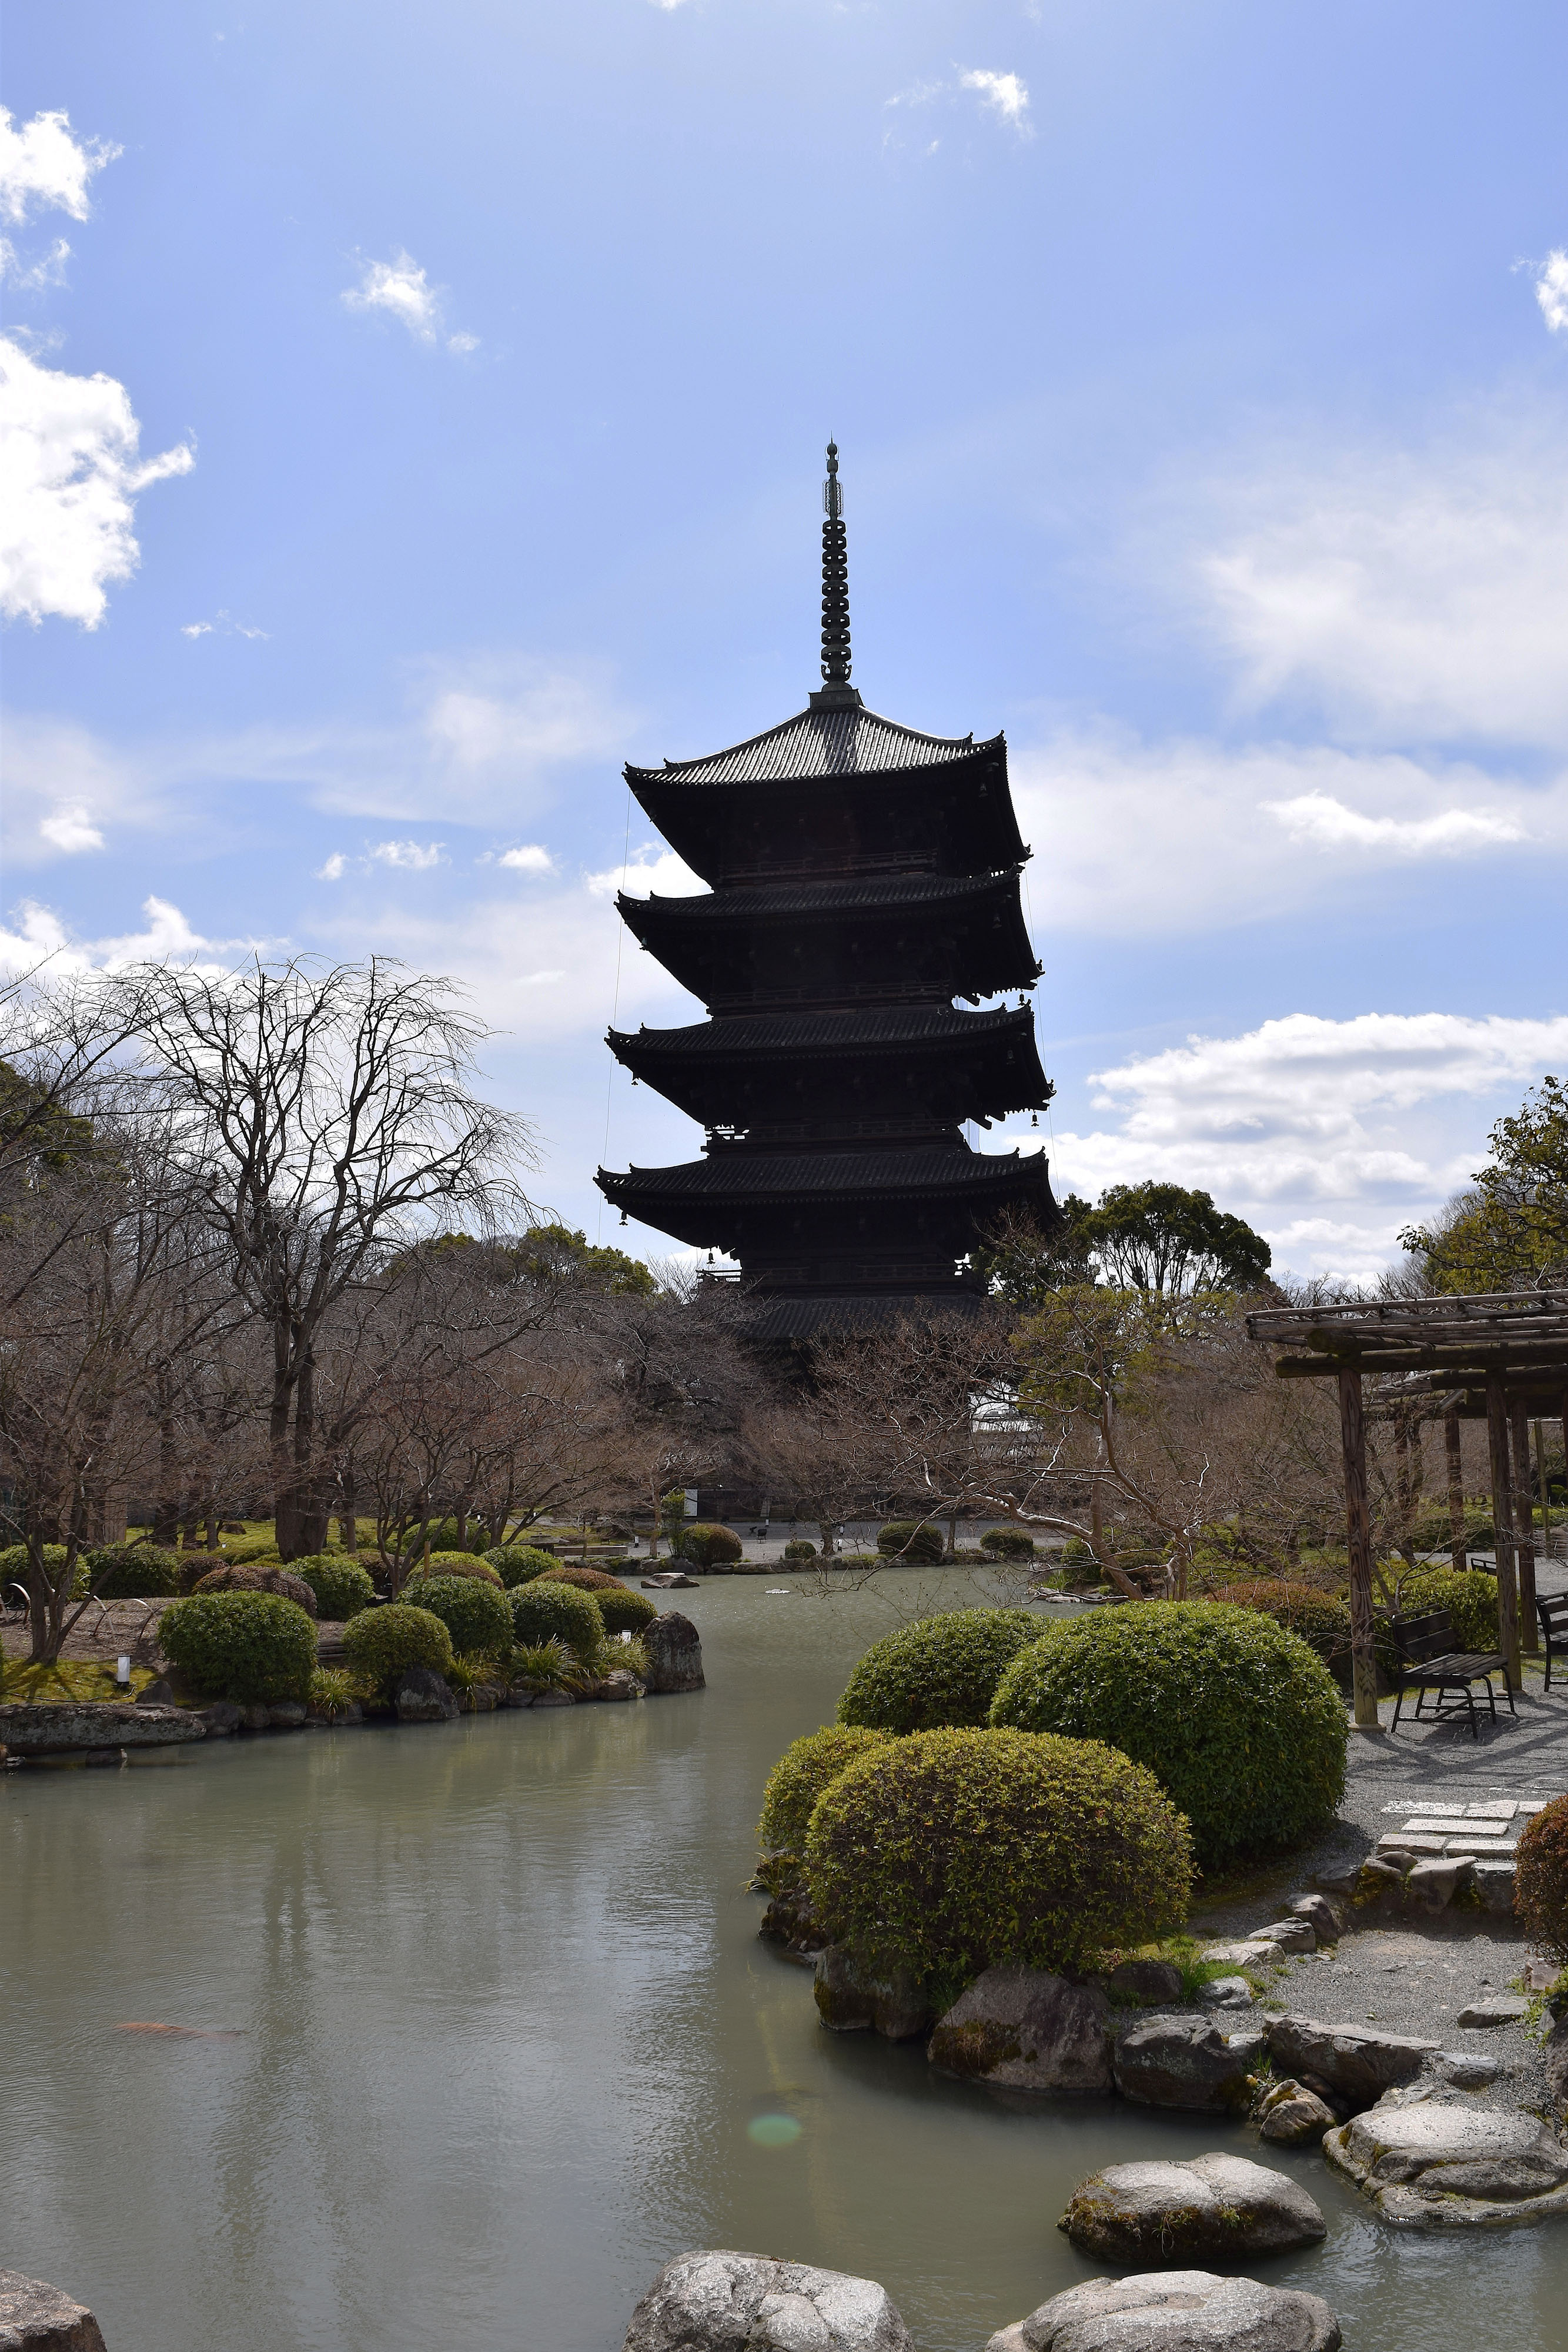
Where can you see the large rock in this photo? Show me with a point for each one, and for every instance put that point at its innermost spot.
(1146, 1984)
(1175, 2311)
(423, 1697)
(849, 2002)
(1359, 2066)
(1220, 2205)
(1448, 2164)
(674, 1654)
(39, 2318)
(1556, 2053)
(743, 2303)
(56, 1729)
(1175, 2061)
(1025, 2029)
(1289, 2113)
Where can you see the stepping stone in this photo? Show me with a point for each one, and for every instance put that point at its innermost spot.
(1181, 2063)
(1180, 2311)
(1223, 2206)
(1438, 1825)
(1495, 2009)
(1502, 1809)
(1446, 2166)
(1355, 2063)
(1240, 1956)
(1490, 1847)
(1465, 2072)
(1427, 1841)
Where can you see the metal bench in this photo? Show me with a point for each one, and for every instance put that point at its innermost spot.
(1553, 1616)
(1427, 1660)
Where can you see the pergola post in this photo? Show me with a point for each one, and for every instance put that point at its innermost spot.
(1524, 1528)
(1358, 1530)
(1503, 1519)
(1456, 1489)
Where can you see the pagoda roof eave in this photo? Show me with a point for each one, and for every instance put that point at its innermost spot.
(815, 744)
(801, 1034)
(770, 1178)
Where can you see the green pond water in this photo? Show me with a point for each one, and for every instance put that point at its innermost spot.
(487, 2035)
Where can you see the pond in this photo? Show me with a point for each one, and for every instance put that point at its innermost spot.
(482, 2034)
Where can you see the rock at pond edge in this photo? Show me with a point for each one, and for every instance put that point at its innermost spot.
(1026, 2029)
(894, 2006)
(36, 2318)
(1188, 2063)
(674, 1654)
(722, 2301)
(1451, 2164)
(1215, 2206)
(1103, 2315)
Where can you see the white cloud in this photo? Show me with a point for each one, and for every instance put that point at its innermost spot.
(1327, 1136)
(1411, 595)
(43, 168)
(1551, 292)
(401, 288)
(195, 628)
(412, 856)
(168, 938)
(70, 830)
(1004, 93)
(528, 857)
(333, 869)
(539, 979)
(650, 870)
(224, 626)
(1327, 823)
(33, 277)
(71, 474)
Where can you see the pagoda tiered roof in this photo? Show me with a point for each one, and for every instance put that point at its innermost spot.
(839, 742)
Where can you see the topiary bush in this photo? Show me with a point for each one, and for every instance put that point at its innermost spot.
(254, 1576)
(1469, 1598)
(253, 1647)
(134, 1572)
(1541, 1878)
(806, 1767)
(461, 1563)
(622, 1611)
(520, 1563)
(961, 1850)
(381, 1644)
(940, 1670)
(707, 1545)
(342, 1588)
(587, 1579)
(1319, 1618)
(1240, 1721)
(545, 1611)
(917, 1542)
(798, 1548)
(473, 1612)
(14, 1565)
(1007, 1543)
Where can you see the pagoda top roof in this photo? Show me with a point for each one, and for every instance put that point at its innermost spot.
(844, 742)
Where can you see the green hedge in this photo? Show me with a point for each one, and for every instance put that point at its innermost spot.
(798, 1548)
(940, 1670)
(543, 1611)
(1470, 1598)
(916, 1543)
(707, 1545)
(255, 1648)
(14, 1563)
(1240, 1721)
(1007, 1543)
(623, 1611)
(1541, 1878)
(442, 1536)
(520, 1563)
(473, 1612)
(956, 1851)
(1319, 1618)
(342, 1588)
(587, 1579)
(806, 1767)
(134, 1572)
(381, 1644)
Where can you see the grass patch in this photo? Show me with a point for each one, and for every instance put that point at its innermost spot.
(68, 1681)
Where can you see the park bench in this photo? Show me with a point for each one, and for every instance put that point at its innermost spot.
(1553, 1616)
(1427, 1660)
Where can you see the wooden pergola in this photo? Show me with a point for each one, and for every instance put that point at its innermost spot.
(1500, 1357)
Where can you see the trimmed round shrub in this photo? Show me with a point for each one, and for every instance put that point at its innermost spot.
(1007, 1543)
(461, 1563)
(14, 1568)
(520, 1563)
(134, 1572)
(587, 1579)
(798, 1548)
(1541, 1878)
(442, 1537)
(940, 1670)
(917, 1542)
(806, 1767)
(1240, 1721)
(707, 1545)
(379, 1644)
(545, 1611)
(253, 1647)
(254, 1577)
(623, 1611)
(961, 1850)
(342, 1588)
(1469, 1597)
(473, 1613)
(1317, 1617)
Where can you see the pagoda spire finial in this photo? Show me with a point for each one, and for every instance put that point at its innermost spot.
(835, 589)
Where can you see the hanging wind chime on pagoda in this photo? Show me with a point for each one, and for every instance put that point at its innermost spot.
(861, 877)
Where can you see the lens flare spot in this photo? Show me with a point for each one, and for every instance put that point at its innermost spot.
(773, 2131)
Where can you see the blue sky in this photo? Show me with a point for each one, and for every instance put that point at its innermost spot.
(1201, 379)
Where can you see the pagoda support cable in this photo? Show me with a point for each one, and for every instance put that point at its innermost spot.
(835, 579)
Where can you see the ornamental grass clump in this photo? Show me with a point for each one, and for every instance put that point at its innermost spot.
(956, 1851)
(381, 1643)
(342, 1588)
(917, 1542)
(473, 1612)
(1240, 1720)
(520, 1563)
(255, 1648)
(940, 1670)
(1541, 1878)
(543, 1611)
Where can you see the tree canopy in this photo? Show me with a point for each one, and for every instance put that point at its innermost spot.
(1512, 1225)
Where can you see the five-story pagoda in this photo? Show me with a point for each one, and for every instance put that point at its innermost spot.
(861, 877)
